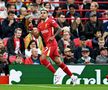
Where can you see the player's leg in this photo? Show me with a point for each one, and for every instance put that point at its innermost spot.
(55, 56)
(63, 66)
(46, 63)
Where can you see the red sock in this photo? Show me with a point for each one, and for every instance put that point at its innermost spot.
(48, 65)
(65, 69)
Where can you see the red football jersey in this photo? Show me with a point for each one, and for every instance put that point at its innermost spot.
(47, 29)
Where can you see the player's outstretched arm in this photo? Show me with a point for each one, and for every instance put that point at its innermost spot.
(58, 29)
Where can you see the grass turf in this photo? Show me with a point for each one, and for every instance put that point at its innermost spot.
(52, 87)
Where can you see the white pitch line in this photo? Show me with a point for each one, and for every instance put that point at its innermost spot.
(43, 86)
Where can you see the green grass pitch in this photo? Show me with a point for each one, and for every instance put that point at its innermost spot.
(52, 87)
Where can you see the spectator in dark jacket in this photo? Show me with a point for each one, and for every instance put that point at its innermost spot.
(102, 58)
(92, 26)
(93, 8)
(69, 56)
(82, 45)
(66, 42)
(8, 25)
(72, 13)
(15, 44)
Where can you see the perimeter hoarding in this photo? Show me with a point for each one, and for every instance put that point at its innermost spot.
(38, 74)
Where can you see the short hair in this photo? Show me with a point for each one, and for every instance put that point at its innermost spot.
(17, 29)
(22, 9)
(61, 13)
(11, 12)
(45, 3)
(72, 5)
(96, 4)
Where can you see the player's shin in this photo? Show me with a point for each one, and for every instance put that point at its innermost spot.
(48, 65)
(65, 69)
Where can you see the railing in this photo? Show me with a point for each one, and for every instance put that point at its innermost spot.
(63, 2)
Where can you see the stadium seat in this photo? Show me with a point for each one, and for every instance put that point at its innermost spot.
(89, 43)
(77, 42)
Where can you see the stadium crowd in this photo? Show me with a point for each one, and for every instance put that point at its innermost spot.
(84, 39)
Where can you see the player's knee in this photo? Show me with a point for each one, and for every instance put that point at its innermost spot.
(58, 61)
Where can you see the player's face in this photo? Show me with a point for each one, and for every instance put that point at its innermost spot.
(44, 15)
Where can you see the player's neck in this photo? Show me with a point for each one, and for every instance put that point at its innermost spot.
(45, 19)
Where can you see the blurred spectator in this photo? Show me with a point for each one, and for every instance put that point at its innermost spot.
(98, 34)
(68, 3)
(77, 27)
(48, 6)
(103, 5)
(18, 5)
(65, 42)
(53, 5)
(11, 7)
(35, 12)
(2, 3)
(18, 60)
(56, 12)
(31, 45)
(3, 59)
(39, 3)
(105, 22)
(103, 57)
(101, 44)
(33, 36)
(8, 25)
(62, 20)
(106, 40)
(1, 32)
(15, 44)
(22, 21)
(62, 23)
(72, 13)
(85, 5)
(69, 56)
(82, 45)
(85, 59)
(34, 59)
(92, 26)
(3, 10)
(23, 13)
(93, 9)
(29, 23)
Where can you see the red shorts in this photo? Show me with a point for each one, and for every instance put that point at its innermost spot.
(52, 52)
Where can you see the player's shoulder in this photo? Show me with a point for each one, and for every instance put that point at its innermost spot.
(51, 18)
(39, 24)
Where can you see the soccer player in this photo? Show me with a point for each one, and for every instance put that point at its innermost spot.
(46, 26)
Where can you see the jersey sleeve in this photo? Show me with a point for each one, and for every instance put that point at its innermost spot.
(54, 23)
